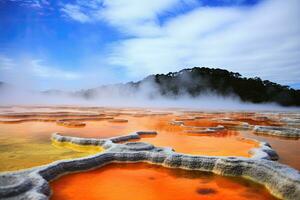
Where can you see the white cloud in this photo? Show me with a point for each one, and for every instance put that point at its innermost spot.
(39, 73)
(33, 3)
(29, 72)
(138, 17)
(6, 63)
(256, 41)
(261, 40)
(75, 12)
(131, 16)
(41, 70)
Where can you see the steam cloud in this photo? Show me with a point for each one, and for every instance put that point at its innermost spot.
(125, 95)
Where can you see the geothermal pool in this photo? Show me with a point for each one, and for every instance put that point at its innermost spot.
(25, 142)
(149, 182)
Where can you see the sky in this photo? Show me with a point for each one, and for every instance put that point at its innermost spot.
(71, 45)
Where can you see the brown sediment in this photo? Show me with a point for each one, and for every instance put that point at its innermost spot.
(15, 121)
(48, 115)
(139, 115)
(58, 120)
(143, 181)
(184, 119)
(118, 120)
(213, 133)
(205, 130)
(202, 123)
(258, 121)
(71, 124)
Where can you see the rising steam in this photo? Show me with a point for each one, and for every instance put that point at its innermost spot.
(126, 95)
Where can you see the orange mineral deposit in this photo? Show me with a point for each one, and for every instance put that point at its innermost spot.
(141, 181)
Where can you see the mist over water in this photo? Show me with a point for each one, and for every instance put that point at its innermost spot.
(124, 95)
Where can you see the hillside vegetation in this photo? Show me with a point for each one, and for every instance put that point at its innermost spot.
(197, 81)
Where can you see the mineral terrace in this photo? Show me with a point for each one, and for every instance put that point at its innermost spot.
(253, 130)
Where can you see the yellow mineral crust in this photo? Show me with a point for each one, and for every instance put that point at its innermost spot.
(91, 149)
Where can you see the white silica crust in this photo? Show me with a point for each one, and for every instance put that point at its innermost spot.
(291, 121)
(278, 131)
(281, 180)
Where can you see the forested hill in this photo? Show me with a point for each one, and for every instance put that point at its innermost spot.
(196, 81)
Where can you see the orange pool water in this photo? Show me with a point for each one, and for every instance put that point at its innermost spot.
(19, 140)
(28, 144)
(223, 143)
(141, 181)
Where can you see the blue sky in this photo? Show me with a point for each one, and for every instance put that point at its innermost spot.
(80, 44)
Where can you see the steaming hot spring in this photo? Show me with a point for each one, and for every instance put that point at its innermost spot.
(68, 152)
